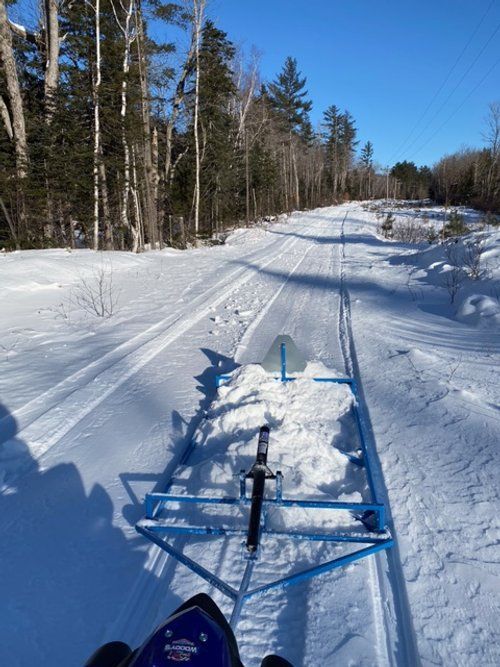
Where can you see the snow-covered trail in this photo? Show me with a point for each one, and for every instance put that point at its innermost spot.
(304, 302)
(115, 428)
(91, 430)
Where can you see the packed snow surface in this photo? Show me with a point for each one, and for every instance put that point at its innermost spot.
(98, 401)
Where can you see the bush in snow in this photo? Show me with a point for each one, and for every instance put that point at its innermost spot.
(472, 259)
(432, 235)
(387, 225)
(490, 220)
(453, 279)
(97, 296)
(455, 226)
(410, 231)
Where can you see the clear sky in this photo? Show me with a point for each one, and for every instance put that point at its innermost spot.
(383, 60)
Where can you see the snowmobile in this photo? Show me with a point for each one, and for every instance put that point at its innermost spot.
(196, 633)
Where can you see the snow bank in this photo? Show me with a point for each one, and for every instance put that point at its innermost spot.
(479, 310)
(475, 259)
(244, 236)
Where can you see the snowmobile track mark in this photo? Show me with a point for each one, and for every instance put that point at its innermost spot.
(392, 599)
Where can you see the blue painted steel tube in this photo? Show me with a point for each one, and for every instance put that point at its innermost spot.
(220, 379)
(245, 583)
(198, 569)
(288, 502)
(283, 362)
(319, 569)
(364, 448)
(162, 528)
(327, 537)
(165, 498)
(156, 501)
(327, 504)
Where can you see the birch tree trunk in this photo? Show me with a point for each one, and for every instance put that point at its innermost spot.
(52, 46)
(198, 9)
(97, 125)
(4, 112)
(14, 117)
(124, 209)
(149, 175)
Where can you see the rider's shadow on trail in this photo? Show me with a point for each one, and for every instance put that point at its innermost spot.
(67, 570)
(182, 430)
(15, 456)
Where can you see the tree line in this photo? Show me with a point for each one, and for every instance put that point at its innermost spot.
(114, 140)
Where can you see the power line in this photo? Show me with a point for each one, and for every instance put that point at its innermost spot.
(444, 82)
(459, 107)
(422, 132)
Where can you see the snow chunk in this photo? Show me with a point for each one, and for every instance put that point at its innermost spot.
(303, 416)
(479, 310)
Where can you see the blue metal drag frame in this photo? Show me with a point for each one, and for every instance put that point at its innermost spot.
(371, 514)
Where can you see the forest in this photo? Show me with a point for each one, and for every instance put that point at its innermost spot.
(113, 140)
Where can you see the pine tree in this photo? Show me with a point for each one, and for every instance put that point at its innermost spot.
(332, 124)
(366, 160)
(288, 97)
(367, 155)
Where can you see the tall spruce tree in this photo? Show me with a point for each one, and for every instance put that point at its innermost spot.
(366, 162)
(288, 98)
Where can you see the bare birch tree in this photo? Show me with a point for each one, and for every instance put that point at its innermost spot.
(15, 121)
(97, 120)
(198, 10)
(129, 35)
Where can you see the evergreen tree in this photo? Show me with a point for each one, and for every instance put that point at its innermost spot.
(366, 161)
(219, 171)
(288, 97)
(366, 157)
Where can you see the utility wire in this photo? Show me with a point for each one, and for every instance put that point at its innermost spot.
(445, 81)
(422, 132)
(459, 107)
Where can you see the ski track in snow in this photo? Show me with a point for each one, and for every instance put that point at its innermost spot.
(72, 399)
(388, 585)
(77, 575)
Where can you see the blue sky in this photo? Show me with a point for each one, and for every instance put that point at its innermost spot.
(384, 61)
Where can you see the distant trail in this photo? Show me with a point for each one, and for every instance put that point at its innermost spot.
(391, 598)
